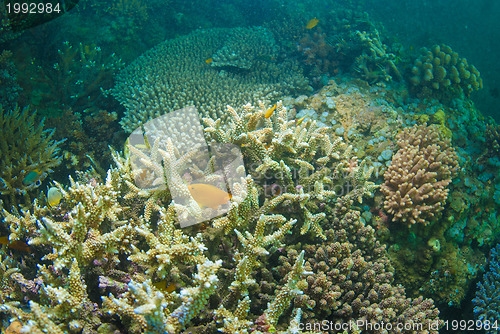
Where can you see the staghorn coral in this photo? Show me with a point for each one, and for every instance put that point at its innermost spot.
(174, 75)
(253, 246)
(443, 71)
(291, 289)
(60, 307)
(152, 306)
(84, 236)
(277, 147)
(168, 248)
(28, 155)
(166, 280)
(84, 231)
(416, 182)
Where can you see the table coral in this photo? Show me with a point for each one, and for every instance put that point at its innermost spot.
(174, 75)
(416, 182)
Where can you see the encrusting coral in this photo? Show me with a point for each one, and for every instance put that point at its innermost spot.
(416, 182)
(27, 155)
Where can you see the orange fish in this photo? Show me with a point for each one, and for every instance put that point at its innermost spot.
(208, 195)
(270, 111)
(209, 60)
(16, 244)
(14, 327)
(312, 23)
(162, 285)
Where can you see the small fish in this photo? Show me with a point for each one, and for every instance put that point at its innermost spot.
(31, 177)
(146, 141)
(53, 197)
(312, 23)
(208, 195)
(14, 327)
(162, 285)
(270, 111)
(16, 244)
(300, 120)
(209, 60)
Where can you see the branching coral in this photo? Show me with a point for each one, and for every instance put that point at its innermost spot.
(168, 248)
(28, 155)
(301, 158)
(83, 233)
(416, 182)
(68, 309)
(152, 309)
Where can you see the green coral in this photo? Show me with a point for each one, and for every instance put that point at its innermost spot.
(27, 155)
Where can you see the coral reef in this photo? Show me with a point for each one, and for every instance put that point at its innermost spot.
(93, 231)
(349, 42)
(178, 73)
(352, 279)
(89, 134)
(441, 70)
(28, 154)
(73, 78)
(416, 182)
(487, 300)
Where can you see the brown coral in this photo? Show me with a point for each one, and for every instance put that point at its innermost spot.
(353, 280)
(416, 182)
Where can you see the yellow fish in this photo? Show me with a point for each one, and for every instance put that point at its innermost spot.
(270, 111)
(312, 23)
(300, 120)
(53, 197)
(16, 244)
(209, 60)
(208, 195)
(162, 285)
